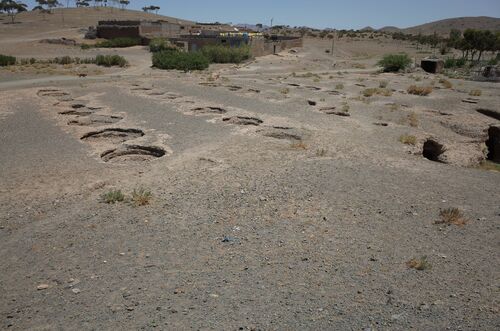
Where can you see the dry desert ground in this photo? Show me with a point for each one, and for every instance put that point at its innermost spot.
(279, 194)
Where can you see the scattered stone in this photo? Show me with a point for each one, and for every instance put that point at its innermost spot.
(42, 287)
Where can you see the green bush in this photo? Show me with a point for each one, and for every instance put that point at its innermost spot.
(224, 54)
(110, 60)
(180, 60)
(454, 63)
(6, 60)
(394, 62)
(160, 44)
(119, 43)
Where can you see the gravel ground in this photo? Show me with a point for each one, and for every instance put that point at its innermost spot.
(267, 212)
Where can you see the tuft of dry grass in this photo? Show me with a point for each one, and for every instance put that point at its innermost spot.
(419, 90)
(298, 145)
(475, 93)
(489, 165)
(376, 91)
(413, 119)
(321, 152)
(285, 90)
(419, 264)
(452, 216)
(383, 84)
(446, 83)
(113, 196)
(141, 197)
(408, 139)
(339, 86)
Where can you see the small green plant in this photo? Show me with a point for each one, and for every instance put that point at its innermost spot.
(113, 196)
(141, 197)
(285, 90)
(419, 264)
(419, 90)
(180, 60)
(119, 42)
(6, 60)
(394, 62)
(452, 216)
(225, 54)
(339, 86)
(408, 139)
(475, 93)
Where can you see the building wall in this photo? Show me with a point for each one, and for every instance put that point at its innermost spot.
(111, 32)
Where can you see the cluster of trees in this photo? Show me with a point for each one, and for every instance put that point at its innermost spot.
(151, 8)
(12, 8)
(471, 42)
(474, 42)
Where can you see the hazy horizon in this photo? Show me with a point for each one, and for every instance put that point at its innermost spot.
(322, 13)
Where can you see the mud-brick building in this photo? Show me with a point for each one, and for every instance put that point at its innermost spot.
(193, 37)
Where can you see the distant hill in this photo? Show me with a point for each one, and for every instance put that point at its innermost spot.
(443, 27)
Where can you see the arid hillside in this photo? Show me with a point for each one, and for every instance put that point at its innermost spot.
(76, 17)
(443, 27)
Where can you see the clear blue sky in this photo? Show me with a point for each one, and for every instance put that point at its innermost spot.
(322, 13)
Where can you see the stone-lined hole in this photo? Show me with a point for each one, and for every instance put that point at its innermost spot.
(114, 135)
(432, 150)
(493, 144)
(243, 120)
(133, 153)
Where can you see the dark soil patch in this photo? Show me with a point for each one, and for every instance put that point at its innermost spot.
(381, 124)
(312, 102)
(133, 153)
(242, 120)
(113, 135)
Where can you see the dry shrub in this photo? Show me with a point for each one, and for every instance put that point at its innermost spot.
(419, 264)
(141, 197)
(339, 86)
(298, 145)
(408, 140)
(285, 90)
(475, 93)
(419, 90)
(377, 91)
(452, 216)
(446, 83)
(413, 119)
